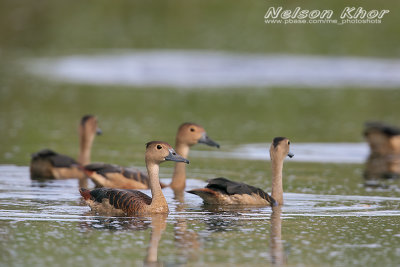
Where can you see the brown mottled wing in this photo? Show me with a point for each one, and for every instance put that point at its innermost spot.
(226, 186)
(57, 160)
(137, 176)
(130, 201)
(103, 169)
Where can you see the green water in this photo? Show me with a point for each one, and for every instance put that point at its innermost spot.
(329, 218)
(35, 114)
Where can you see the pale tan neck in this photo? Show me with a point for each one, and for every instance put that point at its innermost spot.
(158, 203)
(277, 186)
(86, 141)
(179, 177)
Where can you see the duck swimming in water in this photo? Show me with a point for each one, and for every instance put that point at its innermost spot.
(131, 202)
(384, 158)
(114, 176)
(221, 191)
(47, 164)
(383, 139)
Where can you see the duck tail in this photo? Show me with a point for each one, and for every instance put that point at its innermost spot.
(209, 196)
(85, 193)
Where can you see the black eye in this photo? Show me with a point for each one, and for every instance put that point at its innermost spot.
(192, 129)
(159, 146)
(288, 142)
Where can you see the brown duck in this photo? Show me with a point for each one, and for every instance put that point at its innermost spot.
(221, 191)
(47, 164)
(131, 202)
(114, 176)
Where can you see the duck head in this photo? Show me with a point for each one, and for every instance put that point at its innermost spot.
(191, 134)
(158, 151)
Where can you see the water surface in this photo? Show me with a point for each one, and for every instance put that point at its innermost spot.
(46, 223)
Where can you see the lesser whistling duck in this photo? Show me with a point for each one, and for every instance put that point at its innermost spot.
(114, 176)
(384, 159)
(188, 135)
(221, 191)
(131, 202)
(47, 164)
(383, 139)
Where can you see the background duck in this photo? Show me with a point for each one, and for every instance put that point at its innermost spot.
(383, 139)
(47, 164)
(114, 176)
(384, 158)
(188, 135)
(131, 202)
(222, 191)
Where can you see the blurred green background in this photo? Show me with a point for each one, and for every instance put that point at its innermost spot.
(37, 113)
(59, 26)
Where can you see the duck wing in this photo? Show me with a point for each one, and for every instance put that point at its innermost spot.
(228, 187)
(136, 175)
(130, 201)
(57, 160)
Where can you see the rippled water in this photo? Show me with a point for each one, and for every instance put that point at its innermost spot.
(46, 223)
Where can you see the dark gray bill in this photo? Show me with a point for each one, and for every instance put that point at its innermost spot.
(99, 131)
(172, 156)
(290, 155)
(208, 141)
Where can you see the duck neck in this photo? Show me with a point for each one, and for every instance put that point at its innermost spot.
(158, 200)
(277, 186)
(85, 148)
(179, 177)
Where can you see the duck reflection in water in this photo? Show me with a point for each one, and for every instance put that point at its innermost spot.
(158, 225)
(234, 218)
(186, 239)
(278, 257)
(225, 218)
(157, 222)
(384, 159)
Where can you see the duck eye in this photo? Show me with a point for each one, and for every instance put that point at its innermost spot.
(192, 129)
(159, 146)
(288, 142)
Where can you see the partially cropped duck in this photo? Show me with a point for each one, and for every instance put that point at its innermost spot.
(131, 202)
(221, 191)
(47, 164)
(383, 139)
(384, 158)
(108, 175)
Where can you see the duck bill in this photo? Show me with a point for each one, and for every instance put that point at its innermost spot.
(172, 156)
(208, 141)
(99, 131)
(290, 155)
